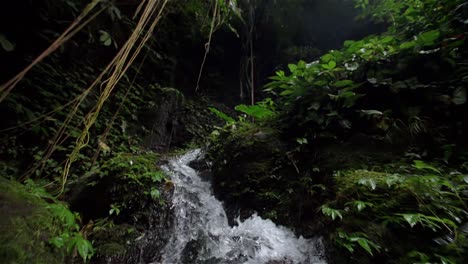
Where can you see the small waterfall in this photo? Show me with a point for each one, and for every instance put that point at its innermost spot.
(201, 232)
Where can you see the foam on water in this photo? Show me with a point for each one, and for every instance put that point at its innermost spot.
(202, 234)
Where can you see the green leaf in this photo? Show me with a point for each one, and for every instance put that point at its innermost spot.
(387, 40)
(330, 65)
(58, 242)
(157, 176)
(155, 194)
(84, 247)
(333, 213)
(428, 38)
(348, 246)
(360, 205)
(6, 44)
(302, 141)
(343, 83)
(421, 165)
(392, 180)
(363, 243)
(257, 111)
(412, 219)
(286, 92)
(407, 45)
(221, 115)
(327, 58)
(105, 38)
(292, 68)
(368, 182)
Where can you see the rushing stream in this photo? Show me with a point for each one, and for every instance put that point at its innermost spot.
(201, 232)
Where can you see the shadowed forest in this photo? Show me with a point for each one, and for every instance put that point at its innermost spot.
(233, 131)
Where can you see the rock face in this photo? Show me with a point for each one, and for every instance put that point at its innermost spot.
(141, 241)
(137, 235)
(171, 120)
(162, 119)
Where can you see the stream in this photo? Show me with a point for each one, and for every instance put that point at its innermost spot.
(201, 233)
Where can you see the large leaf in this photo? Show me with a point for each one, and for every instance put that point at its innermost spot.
(256, 111)
(363, 243)
(421, 165)
(407, 45)
(330, 65)
(221, 115)
(387, 40)
(412, 219)
(428, 38)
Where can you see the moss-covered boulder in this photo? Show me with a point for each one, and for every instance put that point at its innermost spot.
(34, 227)
(127, 201)
(252, 171)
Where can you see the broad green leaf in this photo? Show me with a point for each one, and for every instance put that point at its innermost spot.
(387, 40)
(327, 58)
(331, 65)
(257, 111)
(286, 92)
(84, 247)
(407, 45)
(363, 243)
(292, 67)
(428, 38)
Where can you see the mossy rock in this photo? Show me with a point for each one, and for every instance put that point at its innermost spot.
(139, 193)
(26, 226)
(251, 171)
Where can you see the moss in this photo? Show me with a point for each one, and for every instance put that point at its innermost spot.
(112, 241)
(26, 226)
(252, 171)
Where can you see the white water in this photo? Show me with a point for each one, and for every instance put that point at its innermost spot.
(202, 235)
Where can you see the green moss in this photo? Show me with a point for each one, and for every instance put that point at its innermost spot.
(112, 241)
(26, 226)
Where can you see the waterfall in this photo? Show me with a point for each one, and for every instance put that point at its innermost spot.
(201, 233)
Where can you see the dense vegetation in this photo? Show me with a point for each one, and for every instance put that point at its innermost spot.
(345, 136)
(365, 144)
